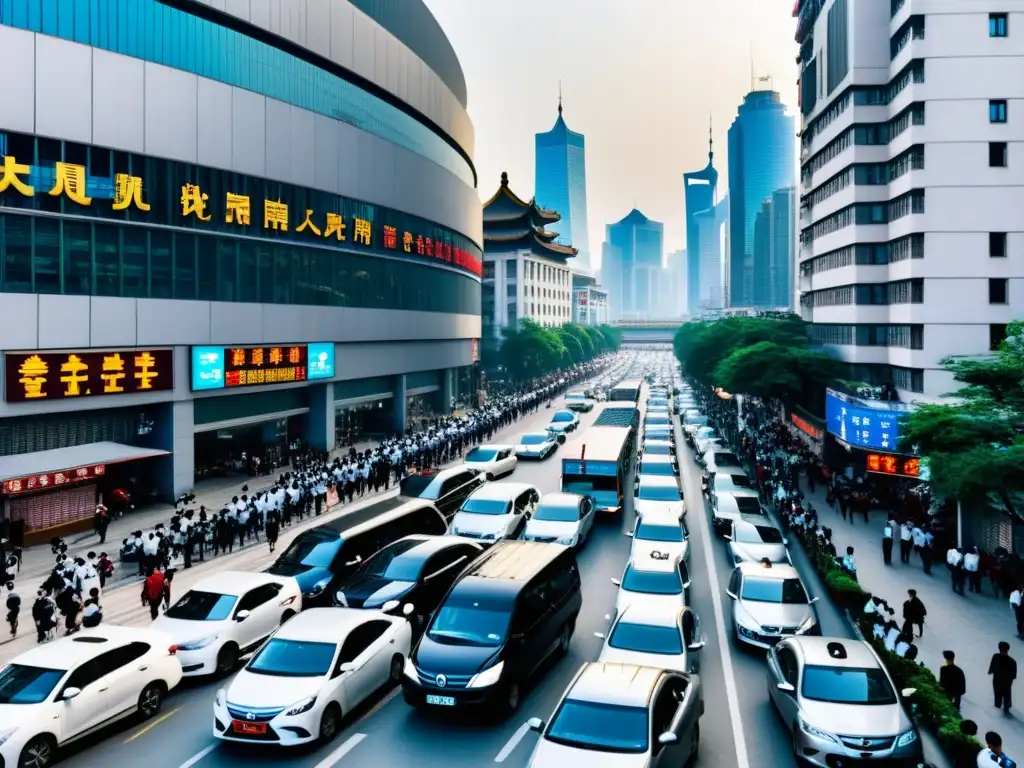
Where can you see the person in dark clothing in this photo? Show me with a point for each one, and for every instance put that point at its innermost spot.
(952, 679)
(153, 592)
(273, 528)
(913, 614)
(1003, 669)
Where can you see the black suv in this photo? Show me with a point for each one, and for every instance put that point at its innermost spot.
(446, 488)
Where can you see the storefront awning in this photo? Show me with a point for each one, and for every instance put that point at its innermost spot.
(60, 460)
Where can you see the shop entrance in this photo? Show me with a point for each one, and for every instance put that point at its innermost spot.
(247, 450)
(362, 422)
(422, 409)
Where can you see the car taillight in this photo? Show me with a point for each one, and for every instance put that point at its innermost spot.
(172, 650)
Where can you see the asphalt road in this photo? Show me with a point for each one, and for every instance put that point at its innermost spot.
(739, 729)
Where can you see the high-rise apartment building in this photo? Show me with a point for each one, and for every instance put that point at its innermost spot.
(775, 251)
(636, 261)
(560, 183)
(762, 159)
(701, 191)
(911, 187)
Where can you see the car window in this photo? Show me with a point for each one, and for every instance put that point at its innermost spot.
(22, 684)
(115, 658)
(478, 454)
(562, 581)
(486, 506)
(443, 560)
(292, 658)
(734, 582)
(605, 727)
(684, 572)
(362, 545)
(847, 685)
(86, 674)
(468, 621)
(657, 532)
(202, 606)
(361, 638)
(745, 533)
(254, 598)
(652, 582)
(787, 665)
(689, 626)
(665, 705)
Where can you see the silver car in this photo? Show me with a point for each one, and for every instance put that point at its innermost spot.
(769, 604)
(537, 445)
(622, 715)
(654, 464)
(654, 638)
(838, 701)
(755, 538)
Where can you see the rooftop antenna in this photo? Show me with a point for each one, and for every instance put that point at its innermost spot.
(559, 97)
(752, 76)
(711, 140)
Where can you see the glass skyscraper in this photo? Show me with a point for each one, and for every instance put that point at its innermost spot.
(632, 280)
(762, 159)
(560, 183)
(700, 188)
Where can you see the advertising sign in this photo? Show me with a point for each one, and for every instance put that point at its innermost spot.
(863, 423)
(321, 361)
(234, 367)
(207, 368)
(890, 464)
(52, 479)
(67, 375)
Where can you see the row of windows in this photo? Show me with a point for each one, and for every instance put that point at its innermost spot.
(869, 134)
(865, 213)
(911, 29)
(869, 174)
(877, 294)
(869, 335)
(156, 32)
(866, 254)
(46, 254)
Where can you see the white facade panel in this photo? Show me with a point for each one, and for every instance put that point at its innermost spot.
(215, 102)
(63, 79)
(17, 94)
(248, 132)
(303, 147)
(119, 98)
(278, 140)
(172, 118)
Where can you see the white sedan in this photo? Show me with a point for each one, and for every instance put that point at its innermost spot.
(493, 460)
(538, 445)
(310, 673)
(60, 691)
(225, 616)
(565, 518)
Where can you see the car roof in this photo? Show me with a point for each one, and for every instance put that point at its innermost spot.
(235, 582)
(819, 651)
(656, 441)
(564, 410)
(657, 458)
(67, 652)
(660, 516)
(325, 625)
(777, 571)
(649, 615)
(544, 433)
(427, 545)
(560, 499)
(500, 491)
(751, 520)
(507, 565)
(611, 682)
(651, 564)
(495, 446)
(659, 480)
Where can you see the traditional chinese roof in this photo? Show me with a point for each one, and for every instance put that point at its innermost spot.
(506, 205)
(511, 223)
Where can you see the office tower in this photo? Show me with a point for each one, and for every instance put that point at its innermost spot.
(712, 229)
(774, 251)
(701, 191)
(910, 188)
(560, 183)
(678, 277)
(638, 265)
(761, 160)
(611, 277)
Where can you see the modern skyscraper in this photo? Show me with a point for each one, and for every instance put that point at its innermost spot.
(677, 275)
(712, 230)
(560, 183)
(910, 210)
(637, 263)
(775, 251)
(762, 158)
(701, 191)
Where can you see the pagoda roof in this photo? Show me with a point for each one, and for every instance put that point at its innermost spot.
(506, 205)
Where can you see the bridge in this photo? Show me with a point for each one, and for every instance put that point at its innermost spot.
(636, 332)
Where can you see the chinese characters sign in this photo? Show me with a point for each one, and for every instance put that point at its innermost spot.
(52, 479)
(806, 427)
(889, 464)
(861, 425)
(63, 375)
(236, 211)
(231, 367)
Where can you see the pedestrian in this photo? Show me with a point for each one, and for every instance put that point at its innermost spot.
(1003, 669)
(1018, 612)
(105, 569)
(906, 541)
(972, 572)
(955, 563)
(92, 613)
(964, 755)
(913, 614)
(153, 591)
(273, 528)
(993, 756)
(102, 522)
(951, 679)
(849, 564)
(887, 541)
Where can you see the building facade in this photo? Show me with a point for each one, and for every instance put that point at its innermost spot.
(701, 191)
(590, 300)
(526, 272)
(560, 183)
(223, 231)
(762, 159)
(712, 232)
(911, 186)
(775, 251)
(638, 243)
(677, 276)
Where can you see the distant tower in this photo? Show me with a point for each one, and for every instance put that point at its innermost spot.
(701, 191)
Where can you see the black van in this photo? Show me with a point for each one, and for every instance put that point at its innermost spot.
(446, 488)
(509, 610)
(321, 557)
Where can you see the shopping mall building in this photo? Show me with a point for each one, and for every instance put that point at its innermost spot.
(225, 226)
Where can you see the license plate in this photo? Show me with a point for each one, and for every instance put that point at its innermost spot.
(249, 729)
(443, 701)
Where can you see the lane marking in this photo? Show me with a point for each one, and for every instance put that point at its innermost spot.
(731, 693)
(347, 746)
(151, 725)
(512, 743)
(198, 756)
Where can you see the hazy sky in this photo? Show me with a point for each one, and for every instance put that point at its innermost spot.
(640, 79)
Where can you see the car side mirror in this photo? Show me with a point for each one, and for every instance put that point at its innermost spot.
(813, 600)
(696, 646)
(357, 561)
(786, 687)
(600, 636)
(607, 617)
(727, 537)
(785, 542)
(732, 595)
(407, 609)
(668, 738)
(348, 666)
(70, 693)
(686, 585)
(906, 693)
(389, 606)
(536, 724)
(616, 582)
(241, 615)
(628, 534)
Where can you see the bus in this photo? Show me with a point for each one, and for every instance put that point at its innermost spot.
(628, 390)
(618, 415)
(598, 465)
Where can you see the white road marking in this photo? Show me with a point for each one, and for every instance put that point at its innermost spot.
(347, 746)
(198, 756)
(512, 743)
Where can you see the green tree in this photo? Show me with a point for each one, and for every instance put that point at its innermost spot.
(531, 350)
(612, 337)
(786, 372)
(700, 346)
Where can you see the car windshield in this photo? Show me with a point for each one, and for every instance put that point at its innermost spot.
(575, 396)
(656, 419)
(21, 684)
(658, 492)
(557, 513)
(534, 439)
(657, 449)
(644, 638)
(293, 658)
(202, 606)
(733, 481)
(419, 487)
(652, 582)
(657, 468)
(785, 591)
(470, 622)
(563, 416)
(486, 506)
(653, 532)
(481, 455)
(757, 534)
(748, 505)
(393, 563)
(847, 685)
(601, 727)
(311, 552)
(725, 459)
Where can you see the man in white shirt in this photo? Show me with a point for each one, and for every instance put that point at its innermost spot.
(1018, 611)
(972, 565)
(993, 756)
(955, 561)
(888, 532)
(906, 541)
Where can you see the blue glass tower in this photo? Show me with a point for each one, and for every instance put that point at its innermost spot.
(700, 188)
(560, 183)
(639, 244)
(762, 159)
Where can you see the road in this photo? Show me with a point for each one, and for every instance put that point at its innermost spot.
(738, 730)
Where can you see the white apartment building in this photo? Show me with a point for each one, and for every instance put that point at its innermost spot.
(912, 182)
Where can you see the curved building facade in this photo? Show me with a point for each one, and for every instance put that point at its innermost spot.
(224, 227)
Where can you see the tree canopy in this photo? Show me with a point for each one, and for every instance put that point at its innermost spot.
(532, 350)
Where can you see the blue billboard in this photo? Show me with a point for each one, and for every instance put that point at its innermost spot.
(862, 423)
(320, 361)
(602, 468)
(207, 368)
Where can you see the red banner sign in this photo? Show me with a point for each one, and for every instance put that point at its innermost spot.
(53, 479)
(890, 464)
(246, 366)
(806, 427)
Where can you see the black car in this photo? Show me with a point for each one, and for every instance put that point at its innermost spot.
(508, 612)
(417, 570)
(446, 488)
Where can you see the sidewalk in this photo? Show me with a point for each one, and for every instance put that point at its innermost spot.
(971, 626)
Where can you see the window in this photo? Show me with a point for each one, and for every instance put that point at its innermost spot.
(996, 336)
(997, 245)
(997, 111)
(997, 154)
(997, 25)
(997, 290)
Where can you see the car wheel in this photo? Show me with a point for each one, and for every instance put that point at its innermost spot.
(512, 698)
(40, 752)
(330, 720)
(489, 477)
(397, 665)
(564, 640)
(227, 659)
(150, 700)
(287, 615)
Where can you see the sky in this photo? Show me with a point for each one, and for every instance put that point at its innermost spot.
(639, 78)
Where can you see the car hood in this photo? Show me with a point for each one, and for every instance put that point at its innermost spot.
(12, 715)
(849, 720)
(559, 426)
(643, 549)
(777, 553)
(532, 449)
(647, 507)
(548, 754)
(550, 528)
(183, 631)
(776, 614)
(368, 591)
(433, 657)
(257, 691)
(656, 660)
(470, 522)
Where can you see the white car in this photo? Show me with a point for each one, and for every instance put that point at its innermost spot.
(660, 582)
(658, 493)
(564, 518)
(225, 616)
(493, 461)
(312, 672)
(64, 690)
(651, 637)
(659, 532)
(495, 511)
(537, 445)
(563, 421)
(579, 401)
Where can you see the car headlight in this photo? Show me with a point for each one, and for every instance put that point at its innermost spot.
(5, 735)
(569, 541)
(817, 733)
(220, 697)
(744, 632)
(410, 669)
(320, 586)
(195, 645)
(807, 626)
(906, 739)
(487, 677)
(301, 706)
